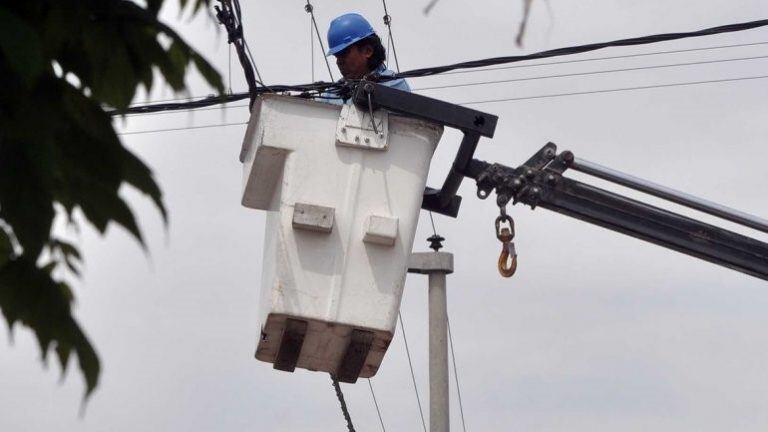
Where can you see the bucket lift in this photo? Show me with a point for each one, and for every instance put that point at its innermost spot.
(342, 187)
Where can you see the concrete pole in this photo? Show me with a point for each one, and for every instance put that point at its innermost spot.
(436, 265)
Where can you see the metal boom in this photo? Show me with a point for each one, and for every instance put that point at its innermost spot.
(540, 182)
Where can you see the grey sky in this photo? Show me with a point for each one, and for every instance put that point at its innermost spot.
(597, 331)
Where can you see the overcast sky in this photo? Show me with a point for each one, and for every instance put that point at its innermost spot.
(596, 331)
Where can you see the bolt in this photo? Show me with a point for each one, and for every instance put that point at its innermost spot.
(343, 130)
(367, 140)
(551, 179)
(549, 153)
(529, 173)
(357, 139)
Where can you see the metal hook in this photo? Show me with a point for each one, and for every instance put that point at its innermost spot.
(507, 250)
(505, 236)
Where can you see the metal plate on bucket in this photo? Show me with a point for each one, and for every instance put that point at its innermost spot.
(355, 128)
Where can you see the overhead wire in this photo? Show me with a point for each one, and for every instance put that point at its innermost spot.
(311, 50)
(517, 66)
(625, 56)
(512, 99)
(181, 128)
(598, 72)
(190, 110)
(230, 16)
(320, 87)
(376, 403)
(311, 11)
(533, 78)
(612, 90)
(413, 376)
(390, 38)
(580, 49)
(456, 375)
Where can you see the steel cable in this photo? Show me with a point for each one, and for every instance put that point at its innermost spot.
(343, 403)
(311, 11)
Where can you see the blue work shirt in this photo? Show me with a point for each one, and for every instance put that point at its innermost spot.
(399, 84)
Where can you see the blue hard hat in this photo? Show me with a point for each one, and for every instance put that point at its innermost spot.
(346, 30)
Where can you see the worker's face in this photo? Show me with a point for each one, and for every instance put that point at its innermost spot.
(353, 61)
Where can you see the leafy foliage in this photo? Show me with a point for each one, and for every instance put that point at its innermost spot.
(58, 145)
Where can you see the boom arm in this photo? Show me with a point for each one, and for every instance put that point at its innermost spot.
(540, 182)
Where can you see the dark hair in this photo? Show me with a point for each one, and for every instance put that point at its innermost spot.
(379, 53)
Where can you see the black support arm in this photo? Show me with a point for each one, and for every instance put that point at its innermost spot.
(473, 124)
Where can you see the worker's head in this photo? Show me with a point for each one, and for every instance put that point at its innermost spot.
(357, 48)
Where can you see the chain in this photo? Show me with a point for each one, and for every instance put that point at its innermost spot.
(344, 410)
(508, 257)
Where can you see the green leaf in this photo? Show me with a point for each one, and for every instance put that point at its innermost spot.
(29, 295)
(6, 247)
(101, 205)
(25, 202)
(58, 145)
(138, 175)
(20, 45)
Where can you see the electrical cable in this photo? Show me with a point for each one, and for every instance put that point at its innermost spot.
(191, 110)
(528, 65)
(413, 376)
(242, 96)
(311, 50)
(304, 90)
(253, 62)
(388, 22)
(181, 128)
(344, 409)
(229, 69)
(579, 49)
(625, 56)
(311, 11)
(456, 376)
(378, 411)
(606, 71)
(229, 16)
(613, 90)
(320, 87)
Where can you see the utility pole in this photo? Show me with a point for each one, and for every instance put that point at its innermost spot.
(436, 265)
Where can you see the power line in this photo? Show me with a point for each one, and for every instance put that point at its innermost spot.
(580, 49)
(311, 50)
(211, 108)
(181, 128)
(606, 71)
(413, 376)
(325, 87)
(614, 90)
(381, 420)
(190, 110)
(475, 102)
(311, 11)
(625, 56)
(518, 66)
(388, 22)
(456, 376)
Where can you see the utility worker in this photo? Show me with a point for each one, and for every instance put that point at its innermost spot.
(358, 51)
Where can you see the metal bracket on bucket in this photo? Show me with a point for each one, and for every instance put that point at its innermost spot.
(356, 128)
(473, 124)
